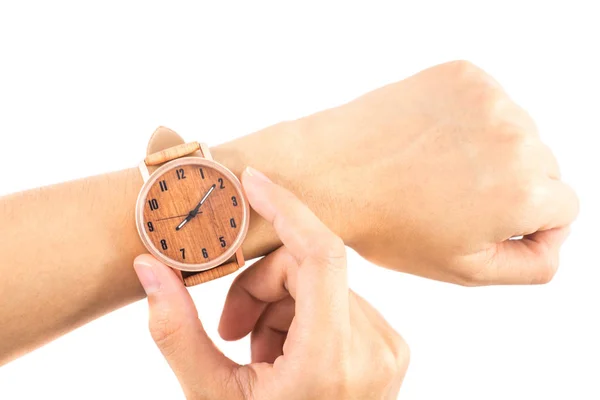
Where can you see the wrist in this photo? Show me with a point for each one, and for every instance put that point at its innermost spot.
(289, 154)
(265, 150)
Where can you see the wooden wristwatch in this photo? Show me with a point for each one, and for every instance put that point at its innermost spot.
(191, 212)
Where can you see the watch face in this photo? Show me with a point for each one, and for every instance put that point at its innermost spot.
(191, 214)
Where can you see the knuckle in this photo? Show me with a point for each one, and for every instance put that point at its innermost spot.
(519, 155)
(477, 274)
(470, 274)
(490, 102)
(467, 280)
(508, 117)
(576, 204)
(545, 277)
(392, 361)
(522, 177)
(552, 166)
(328, 250)
(526, 196)
(482, 93)
(401, 351)
(388, 367)
(509, 148)
(467, 72)
(403, 357)
(548, 270)
(463, 68)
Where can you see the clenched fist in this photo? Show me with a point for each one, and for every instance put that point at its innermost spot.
(431, 175)
(434, 174)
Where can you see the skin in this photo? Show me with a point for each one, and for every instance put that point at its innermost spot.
(312, 337)
(430, 175)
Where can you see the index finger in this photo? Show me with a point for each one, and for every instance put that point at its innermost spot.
(322, 283)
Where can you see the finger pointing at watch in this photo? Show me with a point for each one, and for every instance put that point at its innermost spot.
(337, 346)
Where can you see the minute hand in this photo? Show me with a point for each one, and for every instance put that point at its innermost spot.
(204, 199)
(194, 212)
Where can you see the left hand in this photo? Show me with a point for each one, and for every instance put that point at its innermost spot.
(431, 175)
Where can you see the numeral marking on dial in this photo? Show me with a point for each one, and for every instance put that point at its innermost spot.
(232, 223)
(153, 204)
(163, 186)
(180, 173)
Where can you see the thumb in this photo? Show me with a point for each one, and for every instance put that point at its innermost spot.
(202, 370)
(530, 260)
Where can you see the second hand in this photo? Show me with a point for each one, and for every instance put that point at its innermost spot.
(176, 216)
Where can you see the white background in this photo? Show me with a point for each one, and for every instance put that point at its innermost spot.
(89, 82)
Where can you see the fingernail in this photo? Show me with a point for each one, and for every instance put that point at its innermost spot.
(257, 174)
(145, 273)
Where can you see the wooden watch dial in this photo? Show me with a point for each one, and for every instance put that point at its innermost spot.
(193, 213)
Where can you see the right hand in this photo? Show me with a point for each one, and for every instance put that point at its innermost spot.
(312, 338)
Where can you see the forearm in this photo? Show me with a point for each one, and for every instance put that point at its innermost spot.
(66, 250)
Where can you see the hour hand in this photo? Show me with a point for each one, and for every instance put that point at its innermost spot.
(185, 221)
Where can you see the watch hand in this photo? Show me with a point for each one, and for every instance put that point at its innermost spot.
(185, 221)
(176, 216)
(204, 199)
(195, 211)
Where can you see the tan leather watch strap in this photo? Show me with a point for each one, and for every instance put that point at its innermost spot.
(195, 278)
(166, 145)
(163, 138)
(171, 153)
